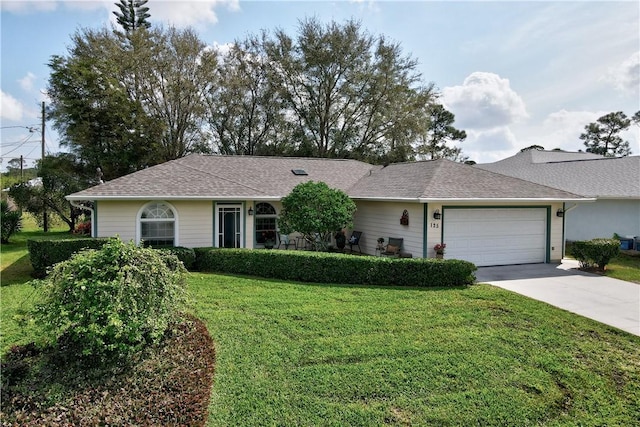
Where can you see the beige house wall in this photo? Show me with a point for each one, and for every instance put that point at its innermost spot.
(194, 219)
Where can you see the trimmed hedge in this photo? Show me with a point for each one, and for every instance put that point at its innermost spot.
(186, 255)
(45, 253)
(595, 252)
(321, 267)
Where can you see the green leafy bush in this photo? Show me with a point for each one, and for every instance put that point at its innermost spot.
(324, 267)
(45, 253)
(9, 220)
(595, 252)
(112, 301)
(186, 255)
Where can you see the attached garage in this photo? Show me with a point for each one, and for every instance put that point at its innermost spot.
(496, 236)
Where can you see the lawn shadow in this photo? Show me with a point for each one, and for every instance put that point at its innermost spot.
(17, 272)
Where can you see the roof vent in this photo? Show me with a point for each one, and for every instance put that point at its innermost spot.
(299, 172)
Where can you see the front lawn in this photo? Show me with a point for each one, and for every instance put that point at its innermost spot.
(305, 354)
(294, 354)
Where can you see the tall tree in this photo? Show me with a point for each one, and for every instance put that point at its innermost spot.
(346, 91)
(92, 109)
(438, 133)
(133, 15)
(246, 113)
(602, 137)
(175, 73)
(125, 102)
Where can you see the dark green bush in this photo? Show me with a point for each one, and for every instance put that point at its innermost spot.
(45, 253)
(9, 221)
(324, 267)
(186, 255)
(113, 301)
(596, 252)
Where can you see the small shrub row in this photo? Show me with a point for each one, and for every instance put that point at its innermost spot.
(595, 252)
(323, 267)
(45, 253)
(186, 255)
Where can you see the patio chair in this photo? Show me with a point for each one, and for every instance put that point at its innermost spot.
(393, 248)
(286, 241)
(354, 240)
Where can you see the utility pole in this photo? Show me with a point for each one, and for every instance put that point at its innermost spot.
(45, 222)
(21, 168)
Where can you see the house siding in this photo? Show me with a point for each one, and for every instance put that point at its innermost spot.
(382, 219)
(603, 218)
(118, 218)
(195, 221)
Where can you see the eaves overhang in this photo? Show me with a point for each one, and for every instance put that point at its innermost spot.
(169, 197)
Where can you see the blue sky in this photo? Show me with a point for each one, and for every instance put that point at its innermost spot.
(514, 73)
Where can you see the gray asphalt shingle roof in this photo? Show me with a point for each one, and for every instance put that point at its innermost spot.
(447, 180)
(223, 177)
(580, 173)
(246, 177)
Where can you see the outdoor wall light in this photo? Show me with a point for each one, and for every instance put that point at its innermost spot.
(250, 210)
(560, 213)
(436, 214)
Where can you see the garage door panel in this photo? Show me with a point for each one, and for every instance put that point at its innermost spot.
(496, 236)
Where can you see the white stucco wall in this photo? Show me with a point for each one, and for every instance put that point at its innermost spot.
(603, 218)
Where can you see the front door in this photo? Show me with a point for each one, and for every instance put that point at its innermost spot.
(229, 226)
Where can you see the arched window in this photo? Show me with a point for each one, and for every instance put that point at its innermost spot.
(158, 225)
(265, 221)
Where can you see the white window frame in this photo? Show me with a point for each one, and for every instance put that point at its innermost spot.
(139, 220)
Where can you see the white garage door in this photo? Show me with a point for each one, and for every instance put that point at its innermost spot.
(496, 236)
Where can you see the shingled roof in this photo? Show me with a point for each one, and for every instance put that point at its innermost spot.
(447, 180)
(586, 174)
(226, 177)
(271, 178)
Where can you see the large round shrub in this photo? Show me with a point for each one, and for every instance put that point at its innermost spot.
(112, 301)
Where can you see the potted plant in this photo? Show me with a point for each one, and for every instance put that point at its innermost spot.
(439, 248)
(380, 243)
(269, 237)
(341, 239)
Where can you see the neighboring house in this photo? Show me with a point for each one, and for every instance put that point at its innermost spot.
(613, 181)
(231, 201)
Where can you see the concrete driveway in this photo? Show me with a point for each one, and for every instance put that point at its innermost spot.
(610, 301)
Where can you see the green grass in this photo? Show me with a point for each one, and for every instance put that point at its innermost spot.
(294, 354)
(626, 266)
(304, 354)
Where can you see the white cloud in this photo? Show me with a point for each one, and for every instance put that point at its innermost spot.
(489, 145)
(177, 13)
(26, 83)
(10, 108)
(626, 76)
(196, 13)
(28, 6)
(484, 101)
